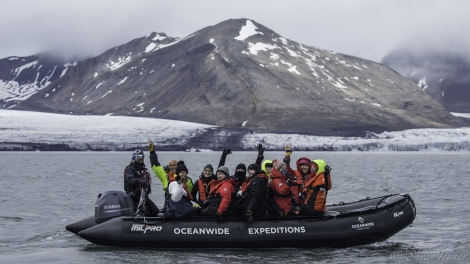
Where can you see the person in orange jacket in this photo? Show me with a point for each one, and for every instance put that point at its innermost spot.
(315, 189)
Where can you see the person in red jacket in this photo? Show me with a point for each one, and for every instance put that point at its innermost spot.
(280, 194)
(221, 201)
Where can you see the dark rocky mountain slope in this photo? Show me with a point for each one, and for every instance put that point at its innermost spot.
(445, 76)
(237, 74)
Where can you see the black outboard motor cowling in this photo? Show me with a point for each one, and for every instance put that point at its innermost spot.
(111, 204)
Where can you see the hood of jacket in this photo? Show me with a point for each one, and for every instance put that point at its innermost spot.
(301, 160)
(263, 164)
(321, 165)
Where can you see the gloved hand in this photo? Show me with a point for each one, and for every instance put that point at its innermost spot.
(226, 151)
(295, 209)
(282, 214)
(291, 182)
(249, 216)
(288, 150)
(327, 169)
(151, 147)
(219, 216)
(143, 183)
(178, 179)
(260, 149)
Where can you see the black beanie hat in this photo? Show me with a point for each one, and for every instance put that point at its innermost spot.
(253, 167)
(181, 167)
(209, 166)
(241, 166)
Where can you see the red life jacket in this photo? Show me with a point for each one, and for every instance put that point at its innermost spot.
(224, 189)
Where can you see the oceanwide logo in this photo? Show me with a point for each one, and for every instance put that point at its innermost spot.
(362, 224)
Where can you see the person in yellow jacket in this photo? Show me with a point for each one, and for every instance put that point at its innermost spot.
(166, 176)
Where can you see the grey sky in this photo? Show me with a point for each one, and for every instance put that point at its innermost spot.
(364, 28)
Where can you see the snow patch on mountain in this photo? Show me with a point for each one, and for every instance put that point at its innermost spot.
(248, 30)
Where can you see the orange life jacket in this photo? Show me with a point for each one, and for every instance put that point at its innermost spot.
(204, 189)
(315, 191)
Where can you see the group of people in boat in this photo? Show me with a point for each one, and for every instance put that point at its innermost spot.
(264, 188)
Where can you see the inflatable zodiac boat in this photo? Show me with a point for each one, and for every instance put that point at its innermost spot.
(345, 224)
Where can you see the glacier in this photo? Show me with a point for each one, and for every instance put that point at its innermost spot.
(29, 131)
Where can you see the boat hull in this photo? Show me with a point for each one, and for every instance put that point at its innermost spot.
(362, 222)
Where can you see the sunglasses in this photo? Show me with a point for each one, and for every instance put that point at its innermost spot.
(139, 156)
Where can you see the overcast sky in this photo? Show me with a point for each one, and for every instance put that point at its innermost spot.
(365, 28)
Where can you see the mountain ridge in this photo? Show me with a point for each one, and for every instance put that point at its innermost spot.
(238, 74)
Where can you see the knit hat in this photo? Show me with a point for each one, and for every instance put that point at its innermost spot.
(253, 167)
(241, 166)
(181, 167)
(278, 164)
(209, 166)
(224, 170)
(304, 161)
(136, 153)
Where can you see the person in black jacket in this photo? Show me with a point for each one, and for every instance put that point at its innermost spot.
(254, 194)
(137, 185)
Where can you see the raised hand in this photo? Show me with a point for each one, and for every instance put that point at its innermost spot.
(260, 149)
(151, 147)
(288, 150)
(226, 151)
(327, 169)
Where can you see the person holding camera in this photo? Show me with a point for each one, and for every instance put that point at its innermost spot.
(179, 197)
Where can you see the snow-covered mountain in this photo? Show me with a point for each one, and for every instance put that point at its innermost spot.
(24, 130)
(236, 75)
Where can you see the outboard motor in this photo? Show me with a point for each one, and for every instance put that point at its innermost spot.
(111, 204)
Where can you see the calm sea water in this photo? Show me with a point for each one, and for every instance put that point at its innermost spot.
(42, 192)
